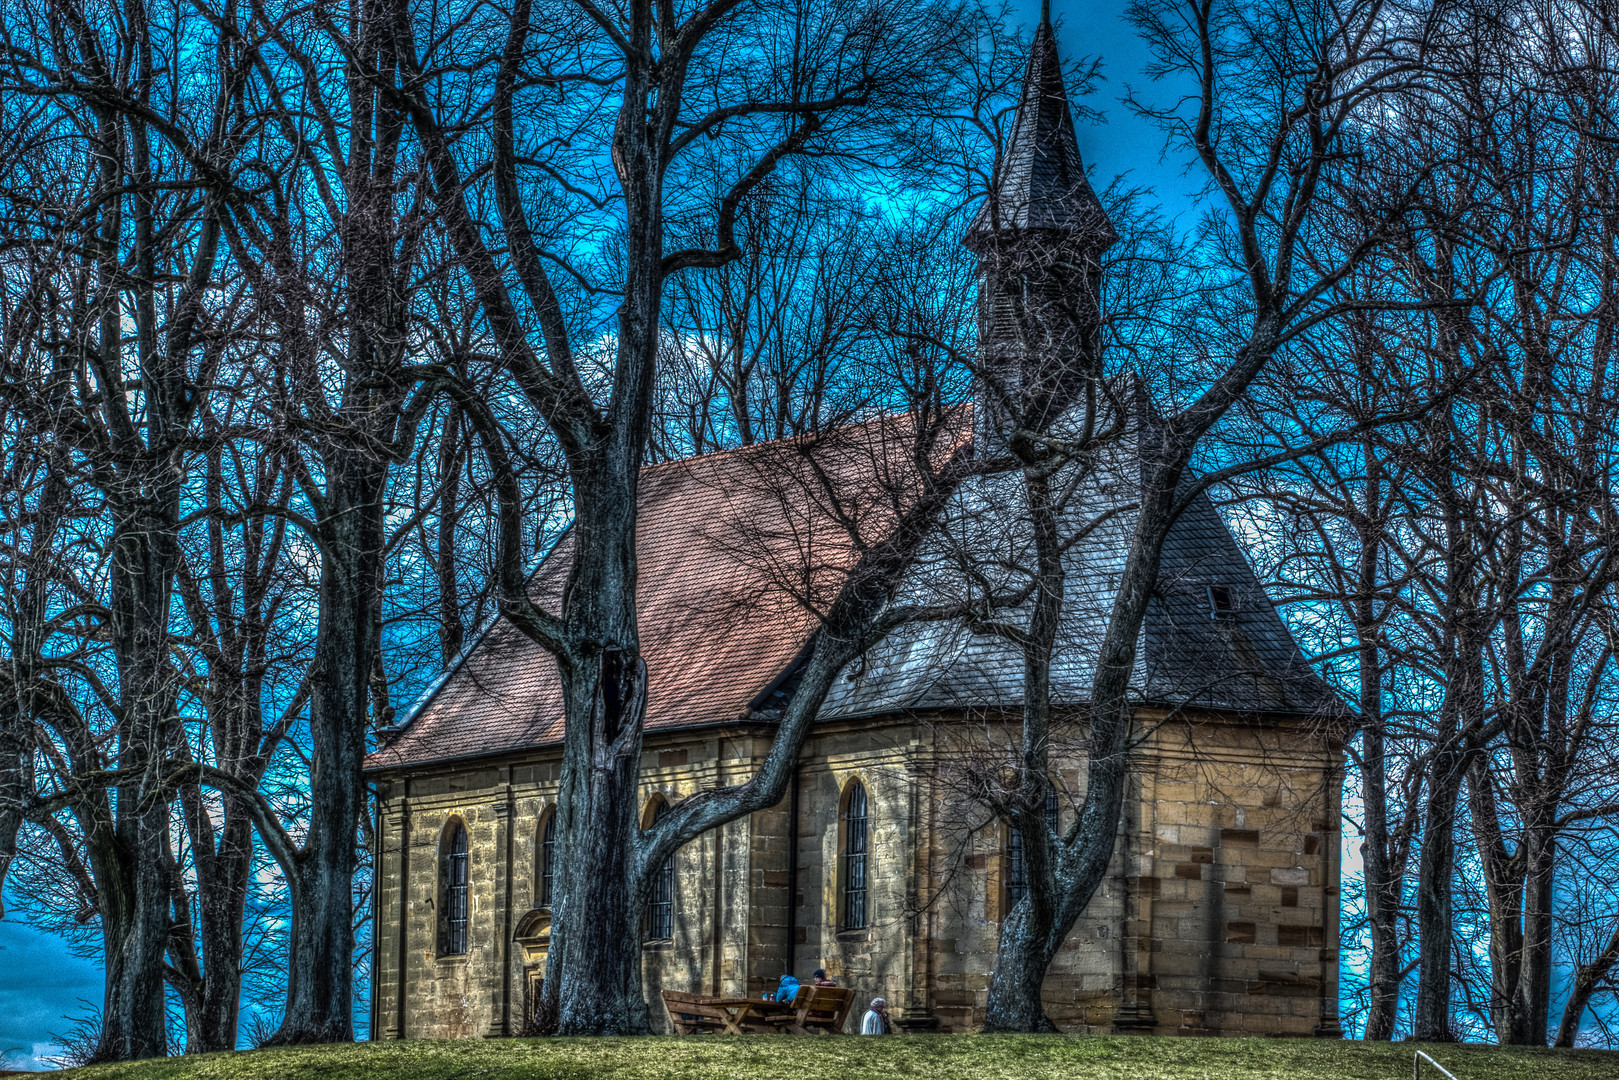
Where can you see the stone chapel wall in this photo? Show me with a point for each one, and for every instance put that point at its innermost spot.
(1218, 915)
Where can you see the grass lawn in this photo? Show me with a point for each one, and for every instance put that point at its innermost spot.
(930, 1057)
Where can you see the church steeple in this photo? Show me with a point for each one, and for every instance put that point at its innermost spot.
(1040, 181)
(1039, 238)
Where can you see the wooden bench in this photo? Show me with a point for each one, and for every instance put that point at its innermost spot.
(817, 1010)
(691, 1014)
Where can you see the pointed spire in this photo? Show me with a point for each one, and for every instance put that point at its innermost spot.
(1040, 180)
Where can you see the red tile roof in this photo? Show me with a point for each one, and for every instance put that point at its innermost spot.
(736, 551)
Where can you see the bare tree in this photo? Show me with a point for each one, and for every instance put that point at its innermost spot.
(670, 78)
(124, 238)
(1269, 129)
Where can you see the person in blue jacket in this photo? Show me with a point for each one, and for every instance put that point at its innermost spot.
(788, 989)
(876, 1022)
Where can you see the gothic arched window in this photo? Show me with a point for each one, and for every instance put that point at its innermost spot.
(548, 853)
(453, 860)
(660, 905)
(853, 858)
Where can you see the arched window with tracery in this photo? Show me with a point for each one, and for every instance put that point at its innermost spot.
(548, 854)
(660, 905)
(853, 859)
(453, 886)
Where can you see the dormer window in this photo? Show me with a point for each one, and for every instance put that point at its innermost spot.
(1222, 602)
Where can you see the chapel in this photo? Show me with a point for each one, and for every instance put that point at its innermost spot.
(1219, 915)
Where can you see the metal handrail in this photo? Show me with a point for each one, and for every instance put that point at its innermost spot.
(1416, 1066)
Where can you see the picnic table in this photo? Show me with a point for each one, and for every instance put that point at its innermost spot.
(816, 1009)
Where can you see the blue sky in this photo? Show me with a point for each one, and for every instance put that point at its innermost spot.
(44, 983)
(1122, 142)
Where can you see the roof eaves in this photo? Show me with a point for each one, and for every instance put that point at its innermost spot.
(458, 759)
(756, 704)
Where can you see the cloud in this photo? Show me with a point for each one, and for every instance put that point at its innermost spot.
(44, 984)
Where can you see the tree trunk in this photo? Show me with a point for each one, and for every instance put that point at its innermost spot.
(593, 966)
(376, 266)
(1079, 865)
(1435, 888)
(1465, 630)
(1023, 951)
(1503, 888)
(1586, 980)
(1384, 880)
(1383, 884)
(222, 880)
(1027, 941)
(320, 960)
(133, 936)
(135, 911)
(1532, 1007)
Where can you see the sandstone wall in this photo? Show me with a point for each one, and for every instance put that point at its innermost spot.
(1218, 915)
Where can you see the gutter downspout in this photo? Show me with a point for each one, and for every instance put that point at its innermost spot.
(792, 873)
(505, 945)
(378, 850)
(404, 916)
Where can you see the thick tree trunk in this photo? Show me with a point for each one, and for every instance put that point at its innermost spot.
(221, 899)
(1024, 949)
(135, 909)
(593, 966)
(1435, 890)
(135, 920)
(320, 959)
(132, 1011)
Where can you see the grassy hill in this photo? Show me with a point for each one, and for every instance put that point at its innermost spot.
(936, 1057)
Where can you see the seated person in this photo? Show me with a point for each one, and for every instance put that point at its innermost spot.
(788, 989)
(820, 979)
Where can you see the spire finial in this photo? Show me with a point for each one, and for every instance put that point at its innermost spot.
(1045, 13)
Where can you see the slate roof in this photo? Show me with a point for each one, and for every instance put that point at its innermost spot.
(1245, 661)
(1040, 180)
(736, 549)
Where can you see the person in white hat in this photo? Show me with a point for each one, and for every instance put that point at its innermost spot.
(875, 1022)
